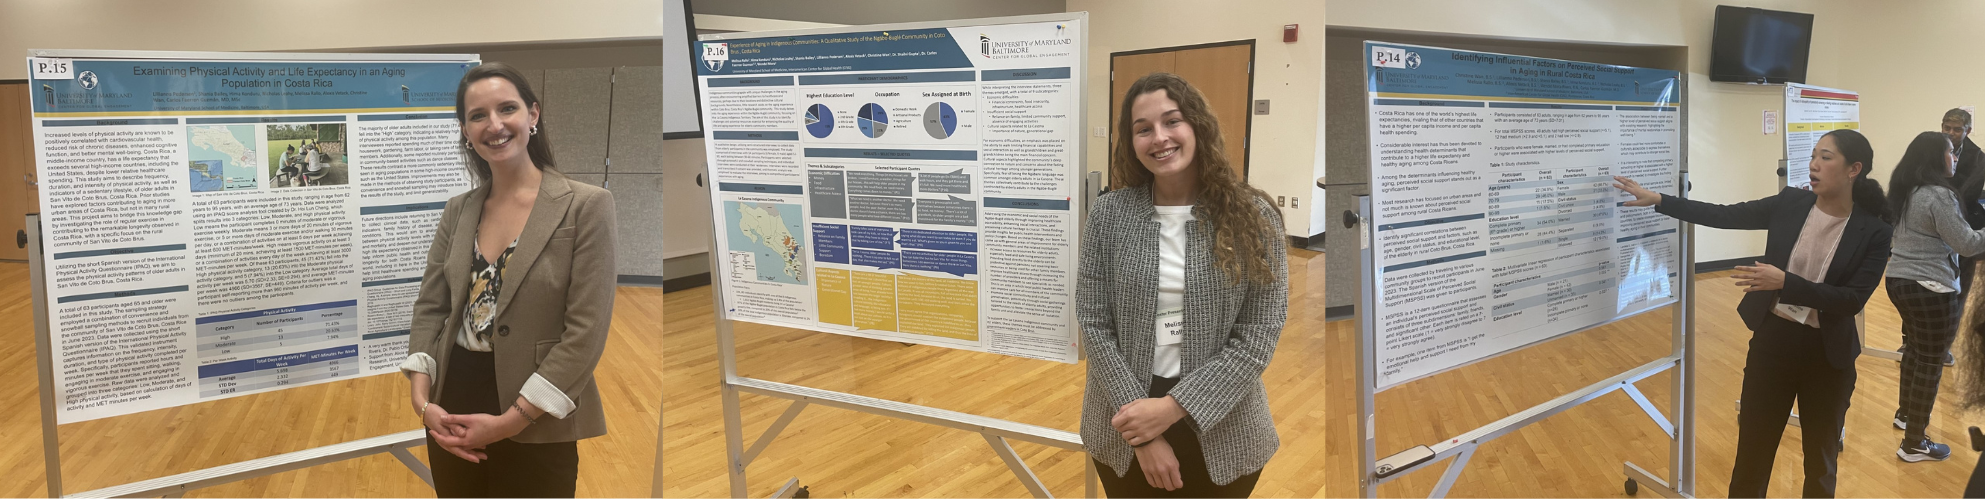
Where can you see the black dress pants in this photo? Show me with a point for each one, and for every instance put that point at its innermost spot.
(1192, 465)
(1788, 364)
(513, 469)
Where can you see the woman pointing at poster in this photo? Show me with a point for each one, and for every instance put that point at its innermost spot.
(1183, 291)
(1824, 255)
(514, 307)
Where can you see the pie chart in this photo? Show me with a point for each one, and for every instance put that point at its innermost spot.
(872, 120)
(940, 120)
(819, 121)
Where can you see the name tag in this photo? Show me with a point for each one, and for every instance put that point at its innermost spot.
(1171, 326)
(1793, 313)
(1936, 287)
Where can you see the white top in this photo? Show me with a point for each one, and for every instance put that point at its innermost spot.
(312, 161)
(1811, 256)
(1171, 289)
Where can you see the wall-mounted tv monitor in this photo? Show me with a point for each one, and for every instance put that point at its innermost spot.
(1760, 46)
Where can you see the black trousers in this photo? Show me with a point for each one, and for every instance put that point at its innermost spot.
(1977, 486)
(513, 469)
(1787, 363)
(1192, 465)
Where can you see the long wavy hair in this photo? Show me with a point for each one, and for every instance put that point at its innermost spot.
(1922, 165)
(1224, 201)
(539, 146)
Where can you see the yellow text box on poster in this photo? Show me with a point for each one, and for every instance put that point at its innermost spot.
(874, 300)
(941, 307)
(836, 301)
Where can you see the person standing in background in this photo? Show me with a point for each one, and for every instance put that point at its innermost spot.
(1922, 282)
(1969, 180)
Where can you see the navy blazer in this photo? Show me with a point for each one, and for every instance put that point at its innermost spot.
(1851, 277)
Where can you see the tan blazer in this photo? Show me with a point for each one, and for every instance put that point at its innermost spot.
(557, 301)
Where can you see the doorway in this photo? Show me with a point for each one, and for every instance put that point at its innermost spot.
(1223, 72)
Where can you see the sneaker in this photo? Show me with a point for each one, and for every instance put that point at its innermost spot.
(1900, 423)
(1923, 450)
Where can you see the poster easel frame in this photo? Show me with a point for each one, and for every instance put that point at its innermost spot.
(1678, 425)
(396, 444)
(997, 433)
(177, 485)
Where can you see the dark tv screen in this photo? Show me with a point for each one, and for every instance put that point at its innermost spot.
(1760, 46)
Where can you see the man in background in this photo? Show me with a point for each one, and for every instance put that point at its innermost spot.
(1970, 181)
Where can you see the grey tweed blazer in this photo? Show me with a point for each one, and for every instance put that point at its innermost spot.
(1230, 334)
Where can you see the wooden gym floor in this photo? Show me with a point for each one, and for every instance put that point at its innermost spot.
(125, 449)
(1579, 453)
(843, 453)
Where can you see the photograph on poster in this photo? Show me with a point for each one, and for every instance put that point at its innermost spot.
(307, 155)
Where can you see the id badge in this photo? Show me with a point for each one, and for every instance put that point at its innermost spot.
(1171, 326)
(1936, 287)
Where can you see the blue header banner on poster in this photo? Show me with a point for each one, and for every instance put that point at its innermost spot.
(863, 51)
(113, 87)
(1415, 72)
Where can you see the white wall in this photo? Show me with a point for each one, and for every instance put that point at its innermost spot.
(276, 25)
(1289, 75)
(1910, 61)
(1730, 159)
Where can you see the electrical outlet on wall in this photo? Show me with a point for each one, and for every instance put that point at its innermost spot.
(1295, 202)
(1282, 201)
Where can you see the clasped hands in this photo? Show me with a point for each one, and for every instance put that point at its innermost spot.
(466, 435)
(1143, 423)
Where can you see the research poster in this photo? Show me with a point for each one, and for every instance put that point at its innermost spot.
(1811, 112)
(913, 185)
(216, 227)
(1495, 222)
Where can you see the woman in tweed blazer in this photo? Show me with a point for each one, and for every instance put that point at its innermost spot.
(1183, 293)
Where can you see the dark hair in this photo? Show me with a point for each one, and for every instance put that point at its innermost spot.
(1959, 113)
(1922, 165)
(539, 145)
(1854, 148)
(1225, 201)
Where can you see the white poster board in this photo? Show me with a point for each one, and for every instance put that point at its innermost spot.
(1495, 222)
(1811, 112)
(678, 73)
(217, 225)
(918, 185)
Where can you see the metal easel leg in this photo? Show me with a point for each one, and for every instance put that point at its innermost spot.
(1453, 472)
(1092, 481)
(51, 444)
(1019, 467)
(792, 411)
(420, 469)
(1652, 412)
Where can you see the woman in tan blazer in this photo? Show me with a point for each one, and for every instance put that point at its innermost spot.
(514, 307)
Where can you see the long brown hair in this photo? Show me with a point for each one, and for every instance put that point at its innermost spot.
(1224, 201)
(539, 146)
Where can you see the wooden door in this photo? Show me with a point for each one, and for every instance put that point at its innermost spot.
(1223, 72)
(18, 196)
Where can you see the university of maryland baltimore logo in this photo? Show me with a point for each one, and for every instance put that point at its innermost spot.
(715, 54)
(985, 46)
